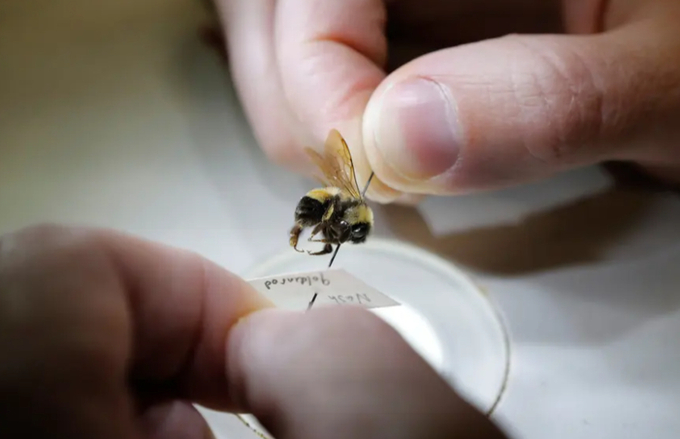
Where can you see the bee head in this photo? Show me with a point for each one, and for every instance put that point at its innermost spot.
(359, 232)
(359, 221)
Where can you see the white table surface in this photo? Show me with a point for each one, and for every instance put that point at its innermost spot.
(116, 114)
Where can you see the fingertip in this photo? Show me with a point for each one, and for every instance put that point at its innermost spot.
(412, 132)
(249, 346)
(252, 324)
(255, 301)
(352, 131)
(381, 193)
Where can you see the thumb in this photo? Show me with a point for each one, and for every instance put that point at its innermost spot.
(519, 108)
(339, 372)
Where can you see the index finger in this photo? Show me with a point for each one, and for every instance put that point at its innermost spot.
(184, 306)
(331, 56)
(158, 315)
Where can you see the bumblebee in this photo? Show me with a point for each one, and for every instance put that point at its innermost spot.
(338, 210)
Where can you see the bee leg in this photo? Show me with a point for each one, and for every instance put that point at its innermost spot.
(328, 248)
(315, 231)
(329, 212)
(294, 236)
(324, 240)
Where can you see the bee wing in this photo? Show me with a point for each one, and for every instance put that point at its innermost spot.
(320, 163)
(321, 181)
(336, 164)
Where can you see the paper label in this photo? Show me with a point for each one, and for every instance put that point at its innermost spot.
(333, 287)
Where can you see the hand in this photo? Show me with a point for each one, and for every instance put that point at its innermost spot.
(106, 336)
(484, 115)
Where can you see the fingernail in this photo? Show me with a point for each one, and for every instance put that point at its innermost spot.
(417, 131)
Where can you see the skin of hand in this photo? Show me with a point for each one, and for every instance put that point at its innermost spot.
(492, 93)
(104, 335)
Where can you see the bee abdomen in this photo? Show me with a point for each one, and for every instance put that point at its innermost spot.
(309, 211)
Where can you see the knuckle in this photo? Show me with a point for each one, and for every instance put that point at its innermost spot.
(47, 244)
(563, 100)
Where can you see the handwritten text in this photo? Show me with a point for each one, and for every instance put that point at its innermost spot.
(358, 298)
(300, 280)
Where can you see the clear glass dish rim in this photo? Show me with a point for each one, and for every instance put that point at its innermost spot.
(403, 249)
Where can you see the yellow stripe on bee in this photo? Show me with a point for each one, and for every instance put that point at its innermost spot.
(323, 194)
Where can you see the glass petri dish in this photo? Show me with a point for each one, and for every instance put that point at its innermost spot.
(443, 315)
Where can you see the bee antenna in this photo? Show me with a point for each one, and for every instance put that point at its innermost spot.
(363, 193)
